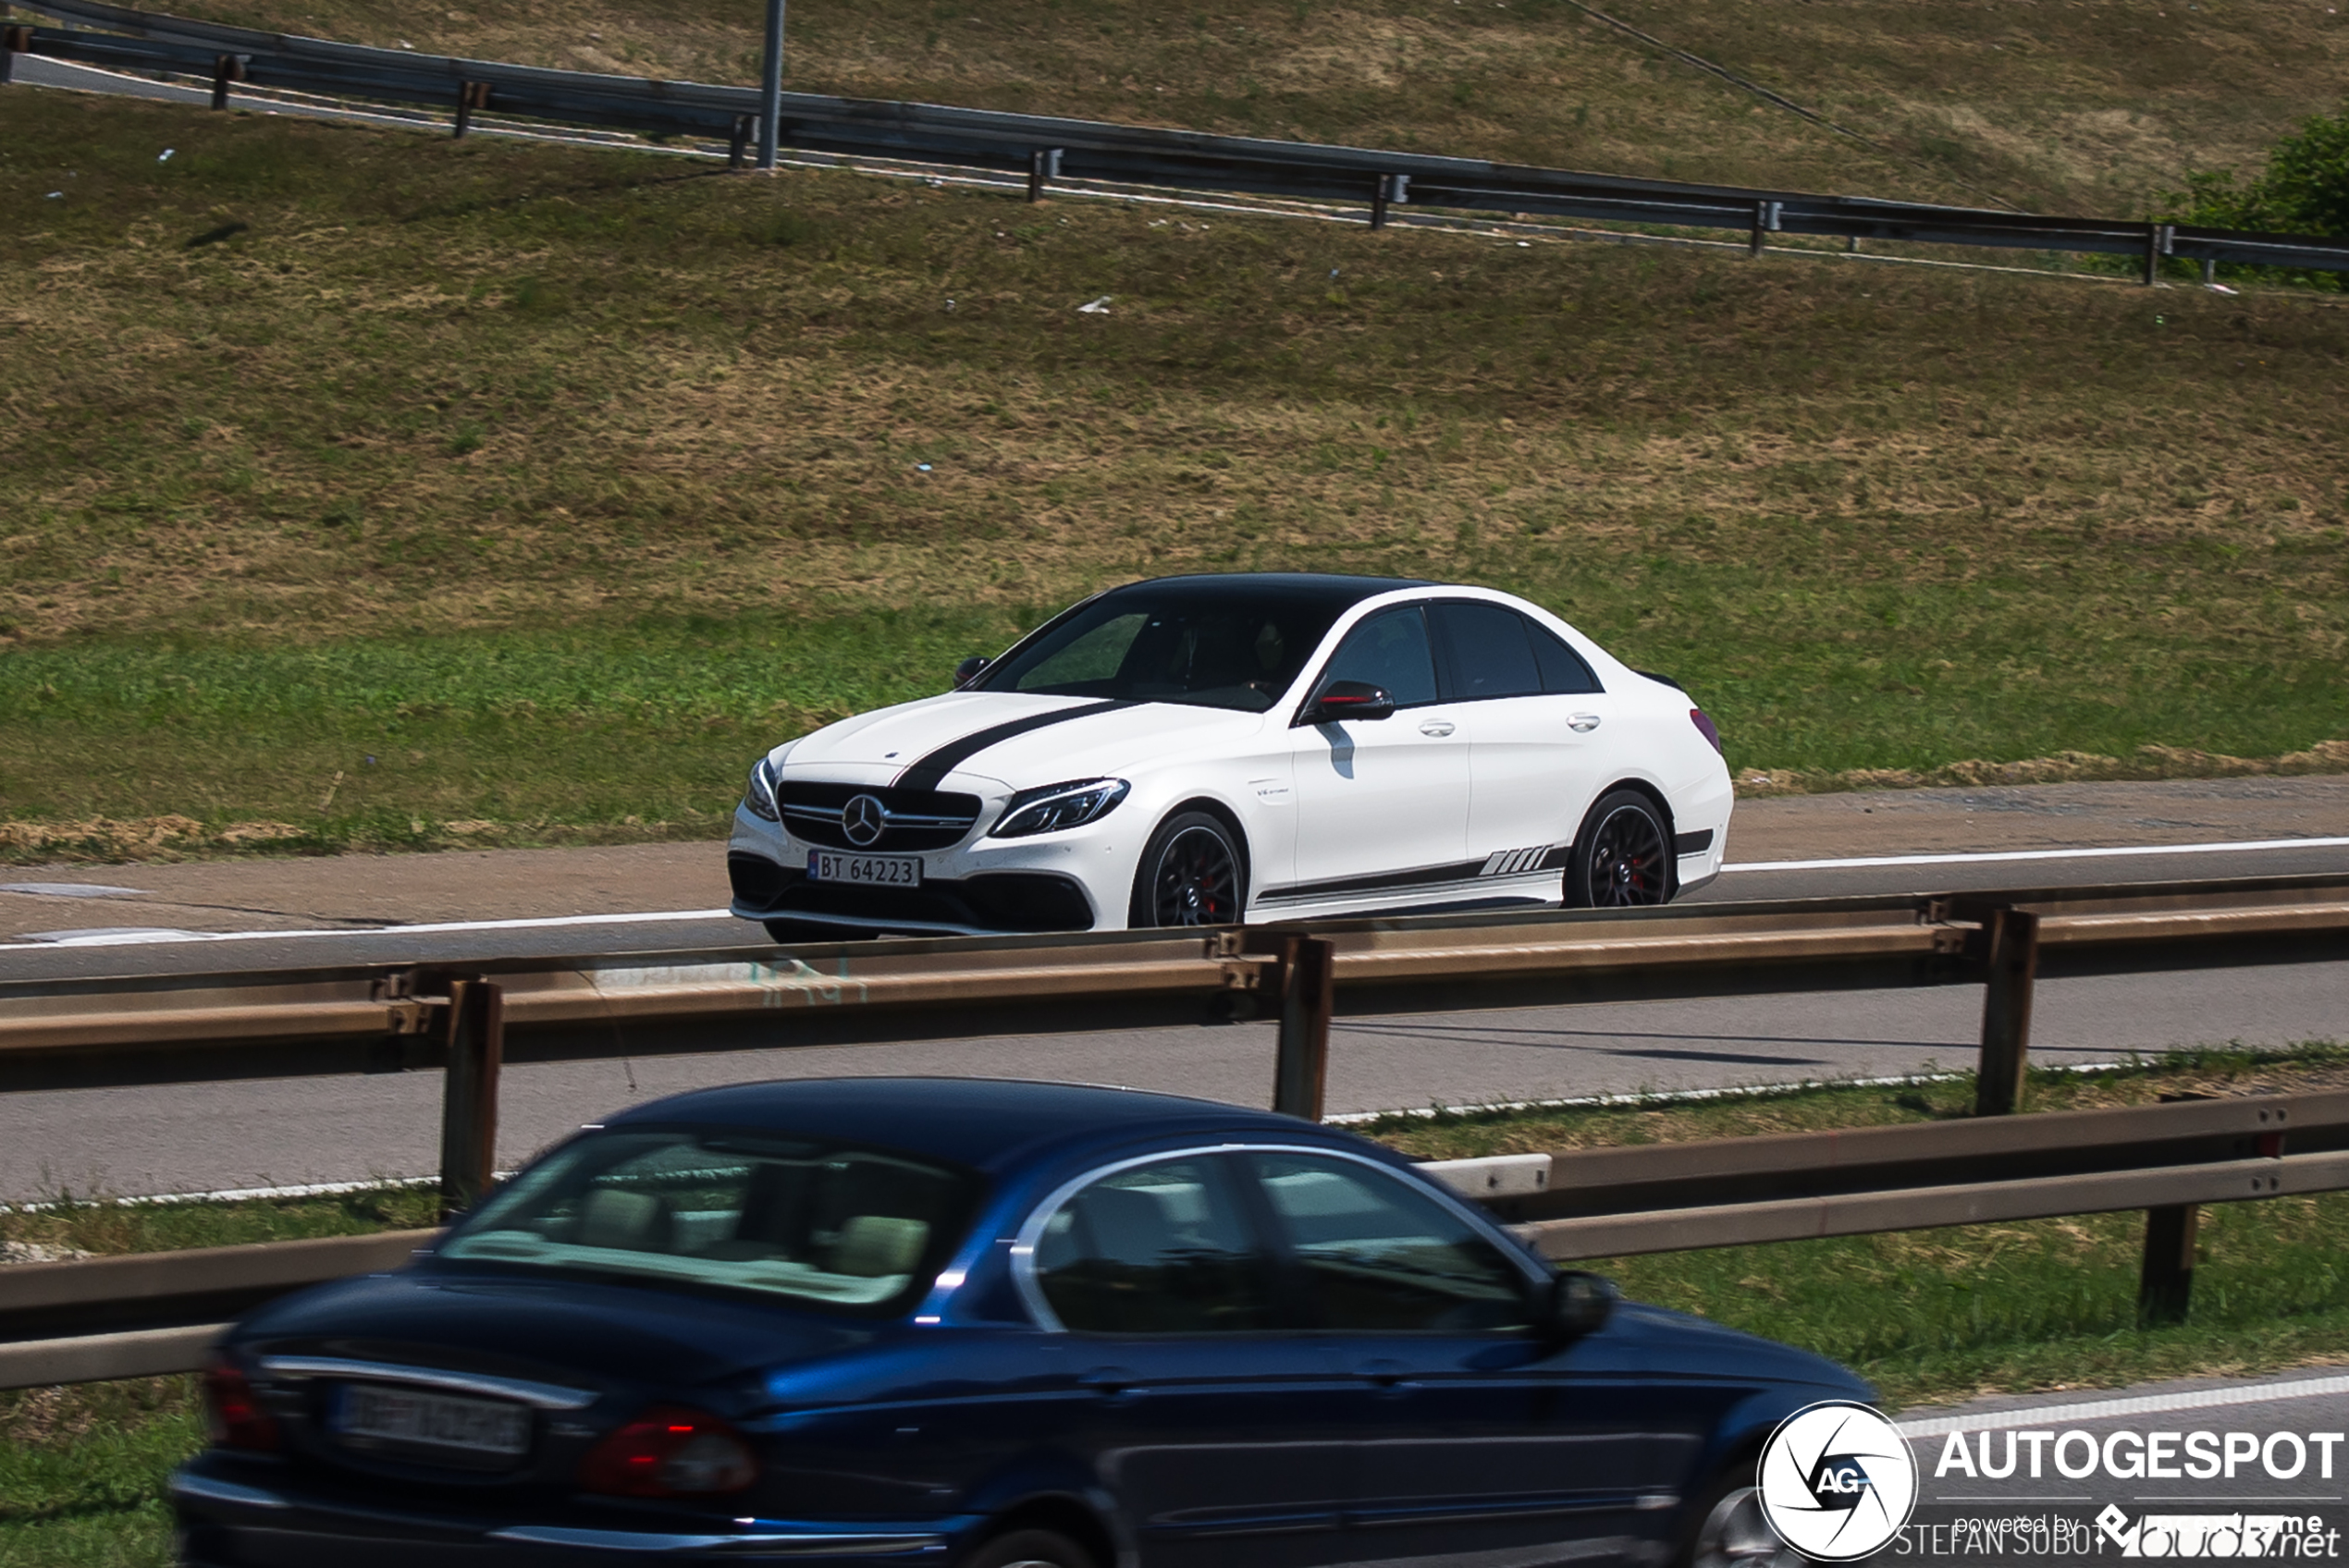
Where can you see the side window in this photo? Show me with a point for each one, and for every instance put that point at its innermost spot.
(1390, 650)
(1485, 651)
(1159, 1249)
(1379, 1257)
(1563, 670)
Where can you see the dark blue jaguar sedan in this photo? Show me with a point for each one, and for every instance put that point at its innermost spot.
(982, 1324)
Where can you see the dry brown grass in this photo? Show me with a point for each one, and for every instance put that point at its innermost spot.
(2056, 104)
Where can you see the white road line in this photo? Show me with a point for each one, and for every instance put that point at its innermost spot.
(2108, 1409)
(1987, 856)
(659, 917)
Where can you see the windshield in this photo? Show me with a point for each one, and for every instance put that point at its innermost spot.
(851, 1229)
(1238, 646)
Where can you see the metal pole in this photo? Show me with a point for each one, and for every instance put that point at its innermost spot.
(1378, 202)
(1301, 1070)
(2006, 1009)
(476, 1026)
(770, 89)
(2166, 1288)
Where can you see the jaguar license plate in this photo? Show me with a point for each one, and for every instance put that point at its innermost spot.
(369, 1414)
(870, 871)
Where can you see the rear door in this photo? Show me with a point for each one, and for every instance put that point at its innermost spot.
(1539, 734)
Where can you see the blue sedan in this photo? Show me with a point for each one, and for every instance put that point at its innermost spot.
(983, 1324)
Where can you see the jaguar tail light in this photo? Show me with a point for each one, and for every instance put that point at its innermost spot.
(670, 1451)
(233, 1417)
(1705, 726)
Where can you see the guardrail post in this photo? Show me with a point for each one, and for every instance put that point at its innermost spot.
(1390, 187)
(14, 41)
(225, 68)
(2013, 935)
(471, 95)
(2160, 237)
(2210, 271)
(738, 148)
(1044, 164)
(2166, 1287)
(1765, 219)
(1300, 1071)
(476, 1014)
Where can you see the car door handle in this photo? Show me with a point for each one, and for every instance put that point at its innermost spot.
(1438, 726)
(1114, 1384)
(1386, 1377)
(1582, 723)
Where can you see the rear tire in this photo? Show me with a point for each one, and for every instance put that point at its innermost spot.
(1030, 1549)
(1622, 858)
(1192, 873)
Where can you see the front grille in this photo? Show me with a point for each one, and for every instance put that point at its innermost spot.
(916, 819)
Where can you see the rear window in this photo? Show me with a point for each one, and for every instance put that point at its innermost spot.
(849, 1229)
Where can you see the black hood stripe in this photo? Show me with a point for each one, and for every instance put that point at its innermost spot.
(928, 772)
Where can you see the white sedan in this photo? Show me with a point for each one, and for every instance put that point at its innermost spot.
(1206, 751)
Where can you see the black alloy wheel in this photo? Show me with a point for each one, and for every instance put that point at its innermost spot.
(1030, 1549)
(1623, 857)
(1190, 875)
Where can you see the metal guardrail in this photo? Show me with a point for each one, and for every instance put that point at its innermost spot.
(156, 1312)
(1051, 150)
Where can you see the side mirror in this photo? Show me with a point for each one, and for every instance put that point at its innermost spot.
(968, 670)
(1577, 1304)
(1348, 699)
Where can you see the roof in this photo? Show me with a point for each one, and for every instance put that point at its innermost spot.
(983, 1122)
(1331, 587)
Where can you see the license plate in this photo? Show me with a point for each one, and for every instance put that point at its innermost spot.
(873, 871)
(368, 1414)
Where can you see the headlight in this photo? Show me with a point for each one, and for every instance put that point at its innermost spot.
(1056, 806)
(759, 796)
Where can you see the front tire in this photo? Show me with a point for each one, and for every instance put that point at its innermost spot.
(1030, 1549)
(1729, 1532)
(1622, 858)
(1192, 873)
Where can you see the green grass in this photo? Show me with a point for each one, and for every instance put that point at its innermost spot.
(607, 471)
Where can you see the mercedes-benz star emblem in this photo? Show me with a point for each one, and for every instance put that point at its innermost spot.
(862, 820)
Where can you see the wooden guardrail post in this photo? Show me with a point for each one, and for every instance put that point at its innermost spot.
(2166, 1287)
(2014, 937)
(1300, 1071)
(738, 148)
(471, 95)
(476, 1026)
(1043, 165)
(14, 41)
(225, 68)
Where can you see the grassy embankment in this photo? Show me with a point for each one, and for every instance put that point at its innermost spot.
(1929, 1315)
(558, 482)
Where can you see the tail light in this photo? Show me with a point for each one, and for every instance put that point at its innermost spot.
(670, 1451)
(1705, 726)
(233, 1417)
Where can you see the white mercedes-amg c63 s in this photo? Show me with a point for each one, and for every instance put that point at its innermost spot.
(1204, 751)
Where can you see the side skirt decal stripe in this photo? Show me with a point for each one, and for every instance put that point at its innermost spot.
(928, 772)
(1468, 873)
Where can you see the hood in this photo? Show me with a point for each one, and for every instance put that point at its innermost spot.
(1011, 738)
(585, 1334)
(1659, 1338)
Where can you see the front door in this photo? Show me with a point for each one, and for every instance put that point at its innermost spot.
(1381, 804)
(1472, 1432)
(1203, 1412)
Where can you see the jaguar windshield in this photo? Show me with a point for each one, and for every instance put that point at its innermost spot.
(1222, 642)
(844, 1228)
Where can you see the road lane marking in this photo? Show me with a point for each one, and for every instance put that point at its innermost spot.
(446, 927)
(2109, 1409)
(1988, 856)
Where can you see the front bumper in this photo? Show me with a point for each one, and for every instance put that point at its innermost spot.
(230, 1520)
(979, 888)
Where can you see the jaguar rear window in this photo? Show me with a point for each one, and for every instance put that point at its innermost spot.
(849, 1229)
